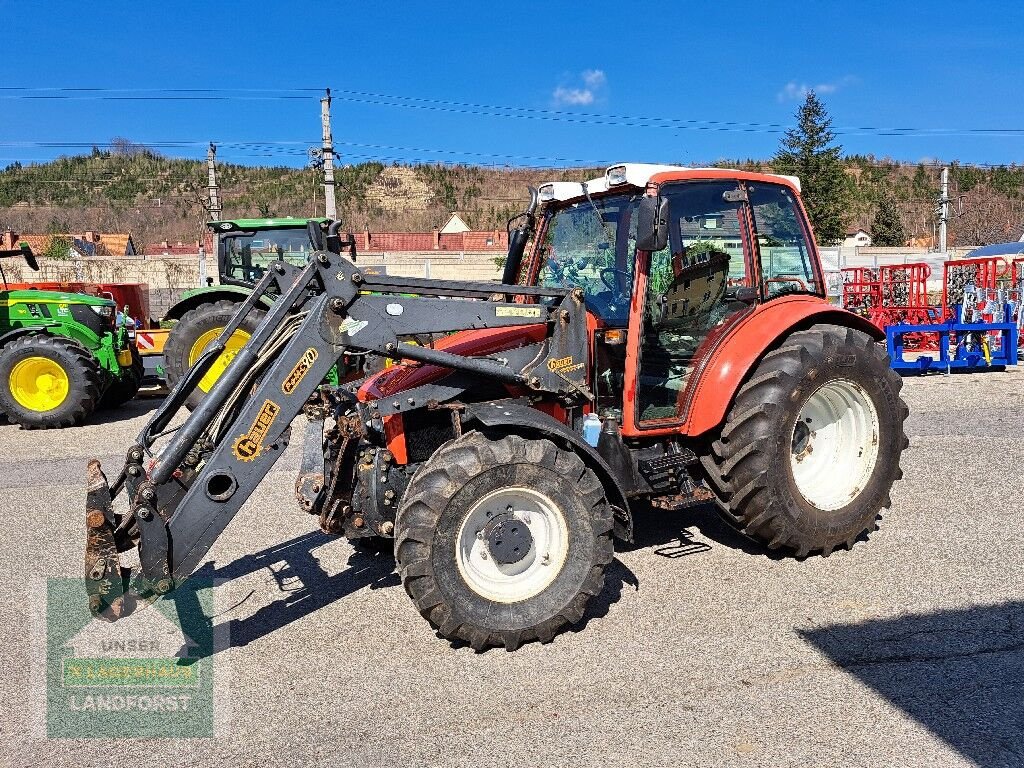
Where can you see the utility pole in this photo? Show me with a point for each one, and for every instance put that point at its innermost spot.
(943, 209)
(211, 182)
(328, 157)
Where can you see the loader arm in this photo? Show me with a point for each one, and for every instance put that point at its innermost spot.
(177, 503)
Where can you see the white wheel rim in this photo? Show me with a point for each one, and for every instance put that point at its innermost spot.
(513, 582)
(835, 444)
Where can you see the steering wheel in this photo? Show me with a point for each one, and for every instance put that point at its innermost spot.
(788, 280)
(611, 287)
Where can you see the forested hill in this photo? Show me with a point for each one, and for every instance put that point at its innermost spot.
(156, 198)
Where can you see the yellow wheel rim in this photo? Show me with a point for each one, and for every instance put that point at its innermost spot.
(39, 384)
(235, 343)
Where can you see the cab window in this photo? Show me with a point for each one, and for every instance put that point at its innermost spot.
(785, 255)
(589, 245)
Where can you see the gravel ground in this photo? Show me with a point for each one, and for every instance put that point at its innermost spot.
(700, 651)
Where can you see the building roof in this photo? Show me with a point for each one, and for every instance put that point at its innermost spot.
(998, 249)
(640, 174)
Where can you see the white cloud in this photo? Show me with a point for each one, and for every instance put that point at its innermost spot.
(794, 91)
(573, 95)
(580, 90)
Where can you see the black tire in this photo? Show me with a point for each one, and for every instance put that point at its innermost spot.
(78, 363)
(189, 329)
(442, 495)
(124, 388)
(750, 465)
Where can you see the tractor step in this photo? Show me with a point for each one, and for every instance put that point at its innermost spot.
(667, 473)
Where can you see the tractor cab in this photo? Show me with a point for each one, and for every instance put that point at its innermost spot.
(669, 259)
(247, 247)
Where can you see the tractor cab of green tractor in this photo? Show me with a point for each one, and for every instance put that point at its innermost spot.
(247, 247)
(62, 354)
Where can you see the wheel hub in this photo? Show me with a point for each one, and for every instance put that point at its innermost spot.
(508, 538)
(835, 444)
(801, 440)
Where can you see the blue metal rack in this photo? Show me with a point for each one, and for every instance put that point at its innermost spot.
(967, 353)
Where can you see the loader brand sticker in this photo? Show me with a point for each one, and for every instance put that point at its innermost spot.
(563, 365)
(248, 446)
(517, 311)
(148, 675)
(298, 373)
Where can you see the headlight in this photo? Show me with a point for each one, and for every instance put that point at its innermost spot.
(546, 192)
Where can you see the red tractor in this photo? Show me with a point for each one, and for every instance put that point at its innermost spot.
(666, 341)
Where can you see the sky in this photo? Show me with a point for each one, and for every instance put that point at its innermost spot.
(525, 83)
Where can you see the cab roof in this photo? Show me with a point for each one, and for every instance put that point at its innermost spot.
(225, 225)
(641, 174)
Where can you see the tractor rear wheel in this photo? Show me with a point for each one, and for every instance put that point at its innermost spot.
(48, 382)
(193, 333)
(811, 446)
(501, 542)
(125, 387)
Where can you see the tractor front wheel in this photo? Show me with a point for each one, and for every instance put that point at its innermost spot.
(193, 333)
(811, 447)
(501, 542)
(48, 382)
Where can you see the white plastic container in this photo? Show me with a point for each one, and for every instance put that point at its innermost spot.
(592, 429)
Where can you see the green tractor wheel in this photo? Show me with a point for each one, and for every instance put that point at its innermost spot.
(127, 386)
(48, 382)
(197, 329)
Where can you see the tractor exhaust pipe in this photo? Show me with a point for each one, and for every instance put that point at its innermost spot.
(518, 238)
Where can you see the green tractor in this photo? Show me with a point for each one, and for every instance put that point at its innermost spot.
(62, 355)
(245, 249)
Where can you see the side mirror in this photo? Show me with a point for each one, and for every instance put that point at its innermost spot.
(30, 258)
(652, 224)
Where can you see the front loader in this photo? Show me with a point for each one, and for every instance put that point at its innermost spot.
(682, 308)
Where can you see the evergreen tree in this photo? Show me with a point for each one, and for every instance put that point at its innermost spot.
(807, 151)
(887, 228)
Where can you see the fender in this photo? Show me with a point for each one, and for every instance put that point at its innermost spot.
(17, 333)
(728, 365)
(529, 421)
(201, 296)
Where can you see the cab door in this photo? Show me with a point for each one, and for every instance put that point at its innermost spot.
(692, 291)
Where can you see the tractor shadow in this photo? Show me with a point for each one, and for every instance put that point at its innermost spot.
(960, 673)
(304, 584)
(674, 534)
(130, 410)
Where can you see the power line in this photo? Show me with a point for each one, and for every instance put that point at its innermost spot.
(473, 108)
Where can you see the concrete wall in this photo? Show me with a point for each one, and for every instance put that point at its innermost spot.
(169, 276)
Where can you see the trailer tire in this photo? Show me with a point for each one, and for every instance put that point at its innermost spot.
(48, 382)
(475, 586)
(196, 329)
(828, 387)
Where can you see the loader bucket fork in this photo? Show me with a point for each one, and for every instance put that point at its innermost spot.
(177, 498)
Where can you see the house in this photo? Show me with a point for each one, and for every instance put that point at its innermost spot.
(88, 244)
(454, 225)
(857, 238)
